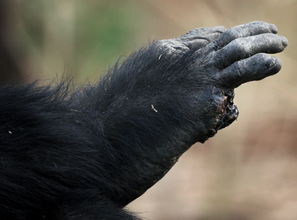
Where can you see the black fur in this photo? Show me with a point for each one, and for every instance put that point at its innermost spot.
(84, 155)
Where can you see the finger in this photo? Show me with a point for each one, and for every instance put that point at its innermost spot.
(256, 67)
(245, 30)
(202, 33)
(200, 37)
(245, 47)
(195, 44)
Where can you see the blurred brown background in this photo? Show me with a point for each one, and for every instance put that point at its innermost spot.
(249, 170)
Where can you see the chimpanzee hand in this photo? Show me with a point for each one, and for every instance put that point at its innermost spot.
(86, 155)
(167, 96)
(193, 40)
(217, 63)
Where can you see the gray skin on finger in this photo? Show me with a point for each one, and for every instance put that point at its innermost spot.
(256, 67)
(199, 67)
(245, 30)
(238, 70)
(193, 40)
(245, 47)
(203, 33)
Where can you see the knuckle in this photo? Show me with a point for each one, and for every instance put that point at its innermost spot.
(240, 46)
(195, 32)
(221, 29)
(167, 45)
(171, 47)
(230, 35)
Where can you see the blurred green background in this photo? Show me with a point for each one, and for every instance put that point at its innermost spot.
(249, 170)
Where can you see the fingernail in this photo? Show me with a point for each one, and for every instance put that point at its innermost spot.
(274, 66)
(273, 28)
(284, 41)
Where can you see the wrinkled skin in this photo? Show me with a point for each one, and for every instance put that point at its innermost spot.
(228, 58)
(180, 91)
(84, 156)
(195, 76)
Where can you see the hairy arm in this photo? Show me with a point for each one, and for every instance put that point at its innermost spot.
(86, 155)
(162, 99)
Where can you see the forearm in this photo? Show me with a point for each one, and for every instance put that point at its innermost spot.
(145, 134)
(166, 97)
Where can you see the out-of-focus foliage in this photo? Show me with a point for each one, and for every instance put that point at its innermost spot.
(75, 37)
